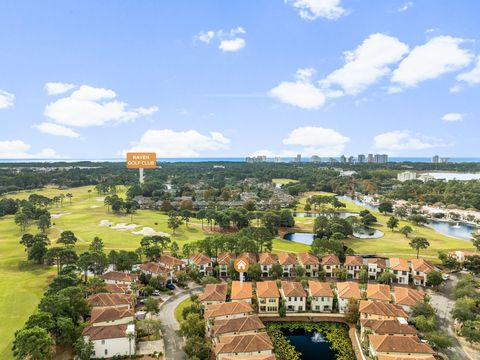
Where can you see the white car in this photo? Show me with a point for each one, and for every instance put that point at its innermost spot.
(445, 277)
(156, 293)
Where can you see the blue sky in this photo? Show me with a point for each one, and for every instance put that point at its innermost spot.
(93, 79)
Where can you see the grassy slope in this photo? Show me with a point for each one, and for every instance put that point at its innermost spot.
(180, 307)
(393, 243)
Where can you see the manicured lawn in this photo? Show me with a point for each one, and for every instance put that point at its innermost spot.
(21, 285)
(180, 307)
(283, 181)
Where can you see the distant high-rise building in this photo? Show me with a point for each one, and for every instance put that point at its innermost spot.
(315, 159)
(435, 159)
(297, 158)
(370, 158)
(351, 160)
(381, 158)
(278, 159)
(444, 160)
(361, 159)
(343, 159)
(256, 159)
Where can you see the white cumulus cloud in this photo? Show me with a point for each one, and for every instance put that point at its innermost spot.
(57, 88)
(232, 45)
(169, 143)
(405, 6)
(367, 64)
(228, 40)
(471, 77)
(91, 106)
(314, 9)
(440, 55)
(18, 149)
(301, 93)
(56, 130)
(452, 117)
(398, 141)
(317, 140)
(6, 99)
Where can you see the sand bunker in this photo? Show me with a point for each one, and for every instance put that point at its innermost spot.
(94, 206)
(106, 223)
(124, 226)
(148, 231)
(56, 216)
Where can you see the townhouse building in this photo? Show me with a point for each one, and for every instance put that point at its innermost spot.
(330, 264)
(243, 346)
(288, 261)
(379, 310)
(213, 294)
(354, 265)
(399, 347)
(321, 296)
(268, 297)
(294, 295)
(245, 325)
(345, 291)
(399, 267)
(379, 292)
(242, 291)
(420, 270)
(110, 341)
(203, 263)
(310, 263)
(407, 297)
(376, 266)
(224, 259)
(266, 261)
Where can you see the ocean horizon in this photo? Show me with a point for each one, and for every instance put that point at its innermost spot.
(224, 159)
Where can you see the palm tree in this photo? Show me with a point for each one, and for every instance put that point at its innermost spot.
(70, 195)
(418, 243)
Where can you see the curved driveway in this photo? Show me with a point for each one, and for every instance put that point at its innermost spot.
(169, 325)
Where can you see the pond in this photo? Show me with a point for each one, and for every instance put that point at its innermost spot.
(458, 230)
(304, 238)
(341, 214)
(312, 345)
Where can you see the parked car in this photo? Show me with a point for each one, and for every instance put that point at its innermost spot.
(170, 286)
(445, 277)
(156, 293)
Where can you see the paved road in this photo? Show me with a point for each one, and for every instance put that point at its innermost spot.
(169, 325)
(443, 302)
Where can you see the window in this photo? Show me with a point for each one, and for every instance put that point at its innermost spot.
(106, 351)
(103, 342)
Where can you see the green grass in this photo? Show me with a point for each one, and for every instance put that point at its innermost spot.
(392, 243)
(283, 181)
(21, 288)
(21, 285)
(180, 307)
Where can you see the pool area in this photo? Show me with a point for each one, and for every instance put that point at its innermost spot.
(312, 345)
